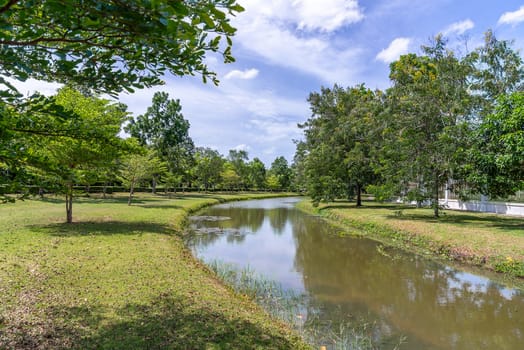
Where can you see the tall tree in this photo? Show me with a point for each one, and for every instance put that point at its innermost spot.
(430, 111)
(257, 173)
(239, 161)
(339, 142)
(165, 130)
(281, 170)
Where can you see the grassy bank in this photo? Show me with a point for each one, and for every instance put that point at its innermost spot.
(491, 241)
(119, 277)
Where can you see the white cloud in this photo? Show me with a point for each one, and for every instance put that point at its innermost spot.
(271, 30)
(326, 15)
(30, 86)
(514, 17)
(276, 130)
(241, 147)
(239, 74)
(459, 28)
(397, 47)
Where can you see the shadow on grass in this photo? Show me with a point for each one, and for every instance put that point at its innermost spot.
(504, 223)
(166, 322)
(411, 213)
(94, 228)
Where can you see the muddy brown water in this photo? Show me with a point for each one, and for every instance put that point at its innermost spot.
(348, 280)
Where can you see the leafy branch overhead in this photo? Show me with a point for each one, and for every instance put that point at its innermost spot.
(114, 45)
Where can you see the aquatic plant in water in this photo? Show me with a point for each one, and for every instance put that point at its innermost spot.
(297, 310)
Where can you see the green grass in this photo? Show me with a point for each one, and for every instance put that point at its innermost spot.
(119, 277)
(494, 242)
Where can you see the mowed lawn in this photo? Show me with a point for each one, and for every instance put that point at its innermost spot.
(493, 241)
(119, 277)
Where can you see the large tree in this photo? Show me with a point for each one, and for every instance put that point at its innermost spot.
(340, 136)
(164, 129)
(429, 100)
(69, 159)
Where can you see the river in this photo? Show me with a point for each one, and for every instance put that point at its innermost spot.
(399, 295)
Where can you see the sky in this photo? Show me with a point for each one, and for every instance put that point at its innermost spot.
(286, 50)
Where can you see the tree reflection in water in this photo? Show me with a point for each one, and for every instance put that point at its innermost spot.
(347, 279)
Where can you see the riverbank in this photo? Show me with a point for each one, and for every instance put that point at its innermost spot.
(119, 277)
(490, 241)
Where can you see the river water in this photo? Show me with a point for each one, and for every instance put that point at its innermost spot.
(348, 280)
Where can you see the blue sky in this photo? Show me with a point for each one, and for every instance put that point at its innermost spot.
(286, 49)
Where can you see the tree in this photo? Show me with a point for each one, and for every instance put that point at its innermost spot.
(230, 178)
(340, 136)
(238, 159)
(208, 167)
(429, 102)
(164, 129)
(498, 71)
(281, 170)
(257, 173)
(69, 159)
(498, 159)
(110, 46)
(139, 167)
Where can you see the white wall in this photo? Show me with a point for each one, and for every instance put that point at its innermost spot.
(485, 206)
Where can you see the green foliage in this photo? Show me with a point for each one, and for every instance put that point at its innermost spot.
(111, 46)
(165, 130)
(273, 182)
(498, 157)
(445, 120)
(257, 173)
(281, 170)
(139, 167)
(208, 167)
(230, 178)
(67, 160)
(338, 153)
(382, 192)
(510, 266)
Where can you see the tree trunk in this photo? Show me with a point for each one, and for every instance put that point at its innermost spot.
(435, 199)
(153, 185)
(359, 195)
(69, 203)
(131, 190)
(104, 190)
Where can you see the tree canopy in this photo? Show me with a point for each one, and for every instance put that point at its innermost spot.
(111, 46)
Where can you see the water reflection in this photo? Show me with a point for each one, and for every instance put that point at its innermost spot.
(434, 306)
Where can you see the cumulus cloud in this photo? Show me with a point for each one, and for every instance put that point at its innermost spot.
(397, 47)
(513, 18)
(292, 34)
(245, 74)
(326, 15)
(459, 28)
